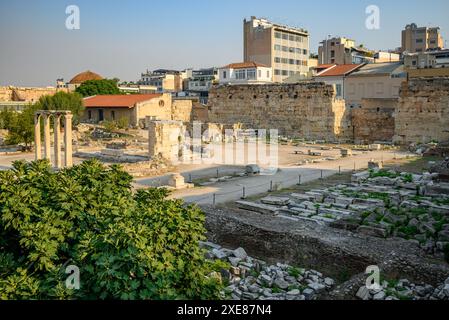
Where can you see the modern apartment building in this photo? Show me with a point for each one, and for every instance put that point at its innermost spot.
(420, 39)
(432, 63)
(245, 73)
(341, 50)
(284, 49)
(165, 80)
(200, 81)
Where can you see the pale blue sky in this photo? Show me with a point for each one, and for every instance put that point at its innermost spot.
(123, 38)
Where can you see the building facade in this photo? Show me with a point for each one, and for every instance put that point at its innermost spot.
(335, 75)
(200, 82)
(284, 49)
(164, 80)
(374, 81)
(420, 39)
(245, 73)
(134, 108)
(341, 50)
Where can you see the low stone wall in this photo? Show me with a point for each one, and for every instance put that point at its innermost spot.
(307, 110)
(374, 120)
(423, 111)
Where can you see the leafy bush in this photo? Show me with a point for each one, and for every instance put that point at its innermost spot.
(127, 245)
(109, 126)
(98, 87)
(123, 123)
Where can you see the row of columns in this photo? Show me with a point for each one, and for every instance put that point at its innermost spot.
(57, 115)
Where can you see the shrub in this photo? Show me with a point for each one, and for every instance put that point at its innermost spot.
(123, 123)
(127, 245)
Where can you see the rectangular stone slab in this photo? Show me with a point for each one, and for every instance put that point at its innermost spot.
(278, 201)
(257, 207)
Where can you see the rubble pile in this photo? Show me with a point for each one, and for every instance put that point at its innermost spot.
(379, 203)
(404, 290)
(252, 279)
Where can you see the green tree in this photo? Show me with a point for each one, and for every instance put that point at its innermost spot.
(63, 101)
(20, 126)
(127, 245)
(98, 87)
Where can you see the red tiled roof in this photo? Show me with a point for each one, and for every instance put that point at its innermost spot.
(245, 65)
(339, 70)
(324, 66)
(117, 100)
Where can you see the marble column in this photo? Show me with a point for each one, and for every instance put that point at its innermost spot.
(68, 140)
(57, 143)
(37, 137)
(47, 136)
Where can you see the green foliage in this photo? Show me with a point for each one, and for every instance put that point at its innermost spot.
(295, 272)
(109, 126)
(98, 87)
(127, 246)
(63, 101)
(20, 126)
(123, 123)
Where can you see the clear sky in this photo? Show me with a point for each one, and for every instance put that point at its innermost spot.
(119, 38)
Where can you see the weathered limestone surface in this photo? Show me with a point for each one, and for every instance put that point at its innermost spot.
(423, 111)
(307, 110)
(374, 121)
(26, 94)
(165, 139)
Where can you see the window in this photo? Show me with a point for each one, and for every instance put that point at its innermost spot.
(285, 36)
(268, 73)
(284, 72)
(291, 49)
(251, 74)
(305, 51)
(224, 74)
(284, 48)
(113, 115)
(277, 72)
(240, 74)
(332, 53)
(277, 60)
(379, 88)
(161, 103)
(339, 91)
(277, 35)
(277, 47)
(260, 73)
(284, 60)
(89, 114)
(419, 40)
(291, 61)
(291, 73)
(291, 38)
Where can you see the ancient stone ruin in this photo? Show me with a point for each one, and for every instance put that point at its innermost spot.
(309, 109)
(46, 115)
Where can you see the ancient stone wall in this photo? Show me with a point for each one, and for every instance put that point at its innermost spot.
(307, 110)
(374, 120)
(25, 94)
(182, 110)
(423, 111)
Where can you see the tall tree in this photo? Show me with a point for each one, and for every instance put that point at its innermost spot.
(63, 101)
(98, 87)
